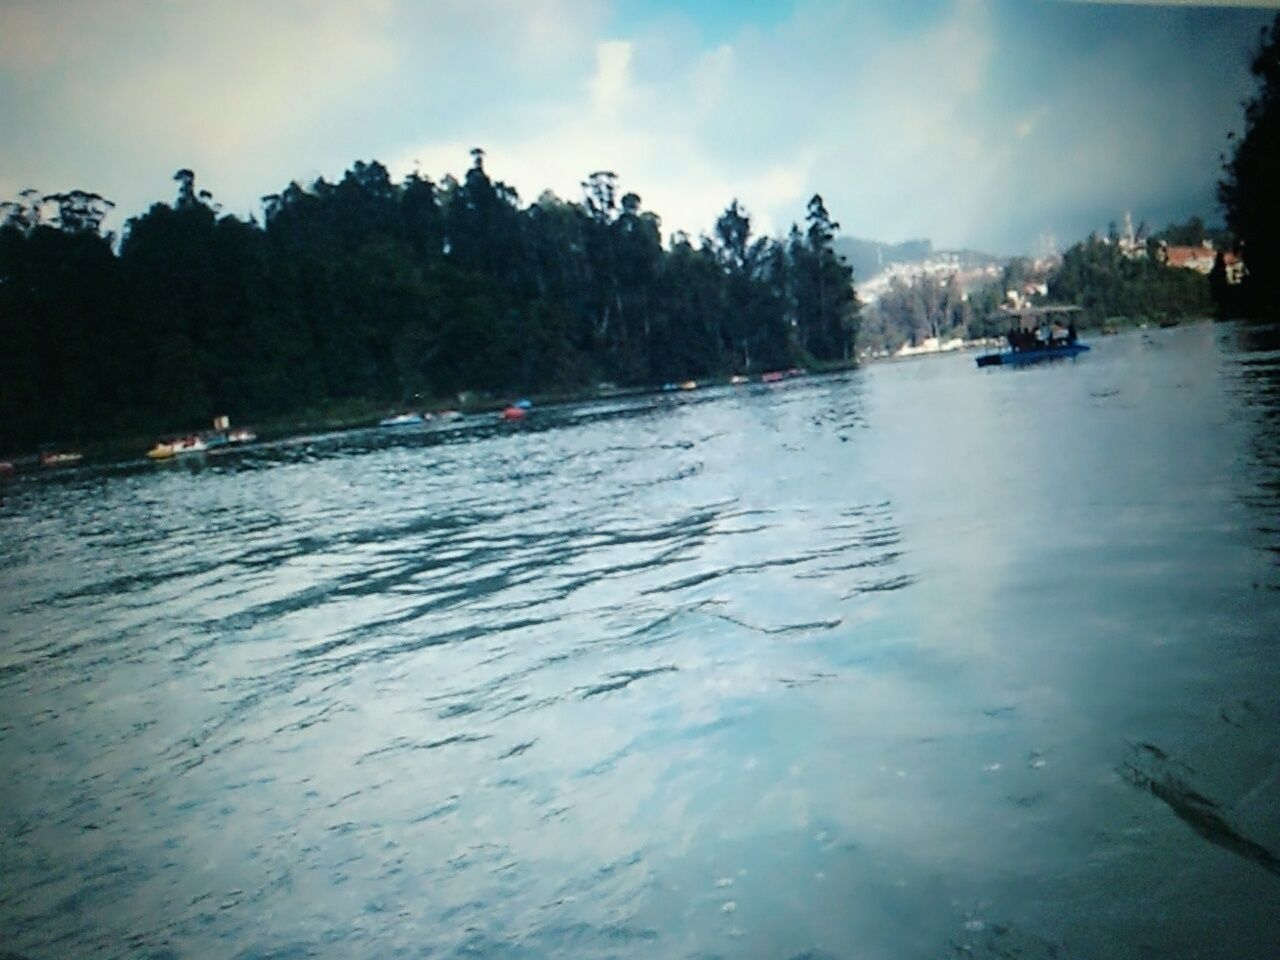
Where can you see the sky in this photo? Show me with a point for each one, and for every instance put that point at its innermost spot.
(999, 125)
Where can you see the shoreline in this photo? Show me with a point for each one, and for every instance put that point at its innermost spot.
(351, 415)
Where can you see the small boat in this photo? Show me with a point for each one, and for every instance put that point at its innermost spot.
(524, 404)
(167, 449)
(59, 458)
(221, 435)
(773, 376)
(401, 420)
(738, 378)
(193, 444)
(6, 468)
(448, 415)
(689, 385)
(513, 413)
(1026, 345)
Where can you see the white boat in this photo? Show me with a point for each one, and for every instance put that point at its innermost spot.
(166, 449)
(189, 445)
(401, 420)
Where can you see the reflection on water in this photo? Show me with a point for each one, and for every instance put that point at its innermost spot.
(917, 661)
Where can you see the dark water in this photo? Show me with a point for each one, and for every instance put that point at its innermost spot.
(919, 661)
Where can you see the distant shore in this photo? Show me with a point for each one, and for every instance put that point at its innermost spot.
(360, 414)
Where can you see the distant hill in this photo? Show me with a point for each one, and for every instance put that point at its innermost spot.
(870, 258)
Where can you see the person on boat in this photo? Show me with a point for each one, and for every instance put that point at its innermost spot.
(1072, 334)
(1015, 338)
(1057, 334)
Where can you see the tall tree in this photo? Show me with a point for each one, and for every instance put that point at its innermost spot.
(826, 305)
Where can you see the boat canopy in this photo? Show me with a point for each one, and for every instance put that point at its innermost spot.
(1028, 318)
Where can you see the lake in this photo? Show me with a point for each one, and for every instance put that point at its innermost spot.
(914, 661)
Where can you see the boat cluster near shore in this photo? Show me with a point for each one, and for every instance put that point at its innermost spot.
(224, 437)
(200, 442)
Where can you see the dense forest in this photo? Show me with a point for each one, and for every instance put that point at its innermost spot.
(391, 293)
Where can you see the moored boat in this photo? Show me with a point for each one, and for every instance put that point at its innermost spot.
(401, 420)
(222, 434)
(59, 458)
(167, 449)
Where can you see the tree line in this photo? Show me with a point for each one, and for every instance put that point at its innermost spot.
(397, 293)
(1098, 276)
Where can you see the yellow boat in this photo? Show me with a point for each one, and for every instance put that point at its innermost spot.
(161, 451)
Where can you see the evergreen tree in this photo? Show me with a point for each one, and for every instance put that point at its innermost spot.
(380, 292)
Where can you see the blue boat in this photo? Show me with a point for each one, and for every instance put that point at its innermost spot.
(1026, 346)
(1012, 358)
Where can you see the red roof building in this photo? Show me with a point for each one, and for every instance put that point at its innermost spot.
(1198, 258)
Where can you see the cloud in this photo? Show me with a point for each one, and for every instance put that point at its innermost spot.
(116, 95)
(975, 122)
(610, 85)
(646, 133)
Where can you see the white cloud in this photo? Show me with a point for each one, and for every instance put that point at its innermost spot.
(1027, 125)
(609, 87)
(645, 133)
(972, 122)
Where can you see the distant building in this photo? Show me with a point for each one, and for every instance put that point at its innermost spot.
(1198, 258)
(1234, 267)
(930, 345)
(1026, 294)
(1132, 244)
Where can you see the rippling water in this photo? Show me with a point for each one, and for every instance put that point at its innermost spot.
(918, 661)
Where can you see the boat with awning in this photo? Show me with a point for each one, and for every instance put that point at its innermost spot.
(1036, 335)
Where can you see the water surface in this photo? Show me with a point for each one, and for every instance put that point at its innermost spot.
(918, 661)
